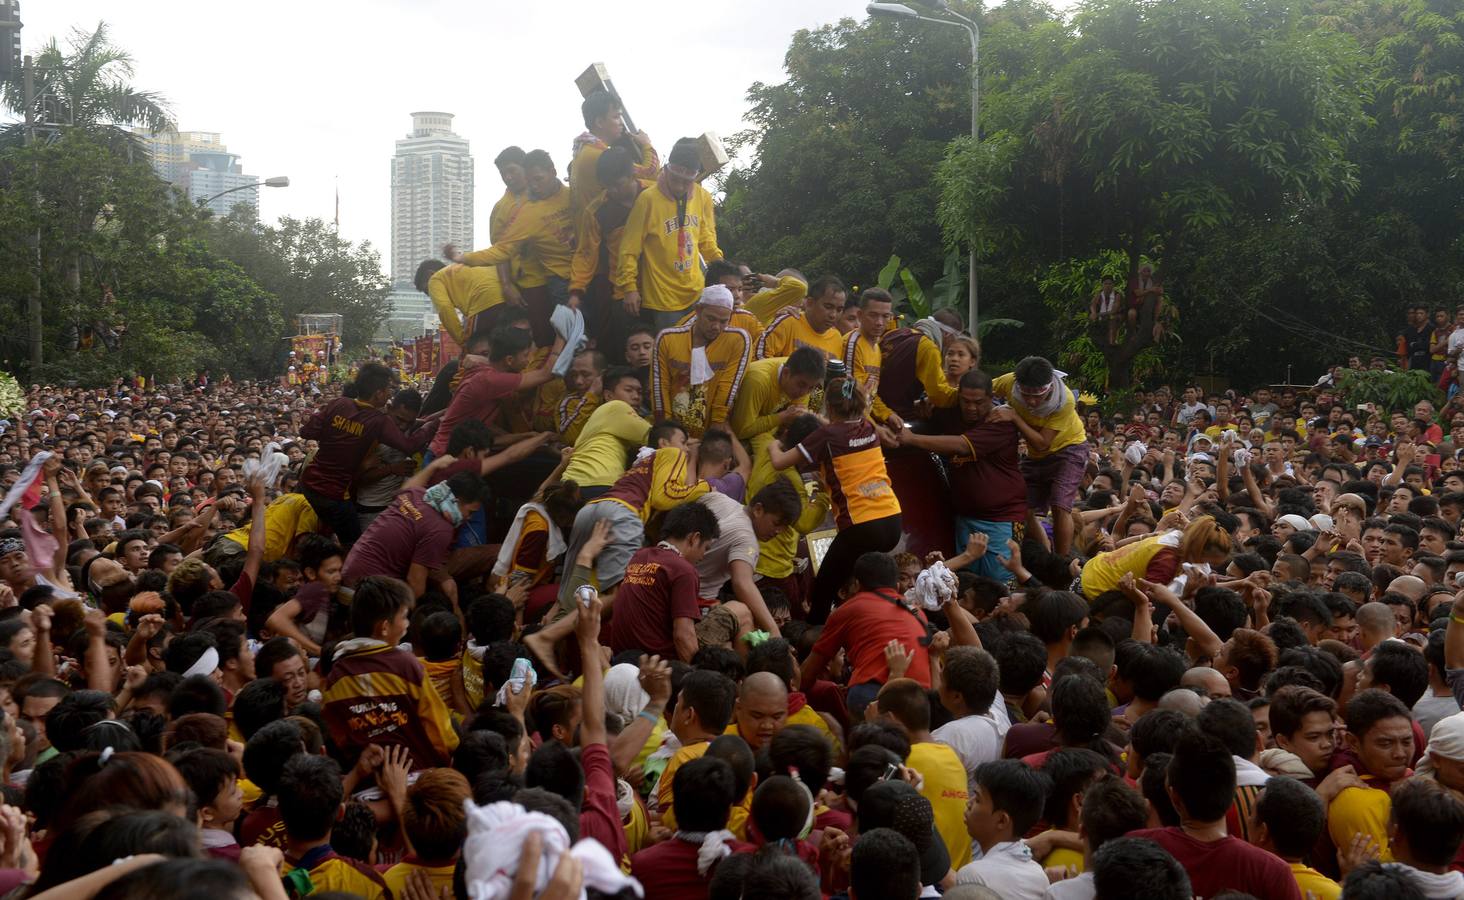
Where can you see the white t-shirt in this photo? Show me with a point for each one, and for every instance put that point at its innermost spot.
(1079, 887)
(736, 541)
(976, 739)
(1010, 870)
(1456, 345)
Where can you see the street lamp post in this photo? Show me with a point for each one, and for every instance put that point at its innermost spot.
(275, 181)
(973, 31)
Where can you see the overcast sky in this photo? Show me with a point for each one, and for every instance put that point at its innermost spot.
(319, 89)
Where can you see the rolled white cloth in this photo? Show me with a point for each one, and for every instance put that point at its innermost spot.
(496, 835)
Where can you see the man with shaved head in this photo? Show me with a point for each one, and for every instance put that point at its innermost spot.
(1183, 700)
(1375, 624)
(762, 709)
(1205, 680)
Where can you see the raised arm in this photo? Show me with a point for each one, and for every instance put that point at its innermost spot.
(1206, 641)
(587, 631)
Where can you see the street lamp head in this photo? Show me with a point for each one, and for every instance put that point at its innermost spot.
(933, 4)
(277, 181)
(891, 11)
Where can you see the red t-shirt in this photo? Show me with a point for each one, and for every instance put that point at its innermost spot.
(262, 826)
(986, 482)
(1225, 865)
(667, 870)
(478, 397)
(599, 814)
(659, 587)
(1027, 738)
(408, 532)
(862, 625)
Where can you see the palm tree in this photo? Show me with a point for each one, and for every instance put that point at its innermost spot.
(87, 85)
(84, 88)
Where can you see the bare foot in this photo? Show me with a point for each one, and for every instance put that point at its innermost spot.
(543, 650)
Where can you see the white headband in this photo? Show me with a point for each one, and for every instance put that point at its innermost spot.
(205, 664)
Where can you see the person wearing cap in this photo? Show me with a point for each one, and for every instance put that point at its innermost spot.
(670, 234)
(1287, 525)
(541, 239)
(697, 368)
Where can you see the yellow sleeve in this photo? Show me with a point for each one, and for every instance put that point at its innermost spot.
(729, 381)
(660, 379)
(670, 486)
(751, 400)
(931, 373)
(877, 408)
(632, 238)
(518, 234)
(627, 424)
(1001, 386)
(1361, 811)
(586, 257)
(650, 163)
(766, 304)
(436, 719)
(446, 312)
(707, 235)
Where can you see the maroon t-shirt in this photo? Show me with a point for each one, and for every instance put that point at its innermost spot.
(347, 430)
(478, 396)
(667, 870)
(986, 482)
(1027, 738)
(599, 814)
(408, 532)
(659, 587)
(1229, 864)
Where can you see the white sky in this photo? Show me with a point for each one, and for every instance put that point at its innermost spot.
(320, 89)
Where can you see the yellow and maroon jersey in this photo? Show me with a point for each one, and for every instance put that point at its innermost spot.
(849, 457)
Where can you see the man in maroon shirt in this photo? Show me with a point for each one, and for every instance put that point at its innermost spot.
(703, 792)
(347, 428)
(656, 606)
(483, 388)
(988, 491)
(413, 538)
(599, 812)
(1201, 784)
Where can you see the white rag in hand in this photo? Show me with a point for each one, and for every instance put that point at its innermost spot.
(570, 325)
(933, 587)
(495, 842)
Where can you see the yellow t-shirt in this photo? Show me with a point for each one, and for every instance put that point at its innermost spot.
(1361, 810)
(1066, 422)
(504, 212)
(1062, 856)
(460, 292)
(396, 876)
(665, 801)
(790, 330)
(288, 516)
(662, 257)
(564, 413)
(768, 302)
(946, 789)
(541, 237)
(775, 556)
(610, 433)
(1314, 883)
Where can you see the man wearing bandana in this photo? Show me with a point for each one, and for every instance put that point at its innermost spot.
(1047, 417)
(413, 538)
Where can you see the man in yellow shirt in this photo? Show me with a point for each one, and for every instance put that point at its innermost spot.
(1380, 740)
(542, 236)
(510, 164)
(775, 556)
(774, 293)
(702, 711)
(670, 234)
(815, 325)
(772, 395)
(903, 702)
(459, 294)
(697, 368)
(861, 350)
(612, 432)
(604, 128)
(1057, 450)
(597, 244)
(565, 406)
(1291, 817)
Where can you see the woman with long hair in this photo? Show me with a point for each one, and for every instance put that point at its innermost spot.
(847, 454)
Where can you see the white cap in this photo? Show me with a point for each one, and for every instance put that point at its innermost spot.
(716, 295)
(1321, 522)
(1297, 522)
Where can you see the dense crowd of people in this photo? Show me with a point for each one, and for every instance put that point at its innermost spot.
(689, 582)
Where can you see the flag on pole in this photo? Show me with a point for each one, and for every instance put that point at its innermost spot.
(338, 203)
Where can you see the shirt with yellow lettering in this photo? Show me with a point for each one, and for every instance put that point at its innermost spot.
(665, 244)
(945, 786)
